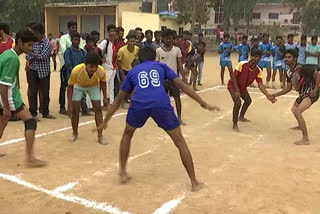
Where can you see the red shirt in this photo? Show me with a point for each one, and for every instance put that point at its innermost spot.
(184, 47)
(245, 77)
(119, 44)
(6, 45)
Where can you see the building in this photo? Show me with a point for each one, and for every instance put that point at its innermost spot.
(94, 15)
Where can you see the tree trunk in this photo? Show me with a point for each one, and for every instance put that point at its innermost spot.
(193, 14)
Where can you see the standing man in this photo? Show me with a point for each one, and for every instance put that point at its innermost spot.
(10, 97)
(277, 61)
(149, 38)
(6, 42)
(243, 49)
(302, 50)
(39, 73)
(139, 37)
(224, 50)
(54, 51)
(64, 43)
(157, 40)
(172, 57)
(119, 43)
(265, 61)
(109, 64)
(313, 52)
(201, 63)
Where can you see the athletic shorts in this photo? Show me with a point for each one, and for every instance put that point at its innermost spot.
(164, 117)
(225, 63)
(264, 64)
(93, 91)
(313, 99)
(277, 64)
(13, 112)
(171, 88)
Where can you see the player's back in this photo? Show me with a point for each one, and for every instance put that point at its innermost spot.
(146, 79)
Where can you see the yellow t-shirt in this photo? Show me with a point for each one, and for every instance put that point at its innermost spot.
(80, 77)
(127, 57)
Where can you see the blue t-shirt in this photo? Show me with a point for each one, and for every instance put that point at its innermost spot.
(290, 46)
(265, 47)
(225, 55)
(243, 51)
(275, 53)
(146, 79)
(302, 54)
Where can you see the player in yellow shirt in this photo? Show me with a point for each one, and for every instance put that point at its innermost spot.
(88, 77)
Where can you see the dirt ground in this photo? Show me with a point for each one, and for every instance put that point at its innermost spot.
(258, 170)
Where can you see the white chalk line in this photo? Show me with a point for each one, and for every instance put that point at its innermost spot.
(105, 207)
(66, 187)
(17, 140)
(169, 206)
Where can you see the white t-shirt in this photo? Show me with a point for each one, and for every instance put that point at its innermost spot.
(108, 56)
(169, 57)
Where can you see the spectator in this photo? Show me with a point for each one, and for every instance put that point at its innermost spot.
(6, 40)
(157, 42)
(149, 37)
(139, 37)
(54, 51)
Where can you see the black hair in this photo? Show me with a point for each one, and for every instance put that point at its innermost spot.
(95, 33)
(38, 28)
(76, 35)
(167, 33)
(157, 32)
(92, 58)
(189, 33)
(91, 38)
(290, 35)
(278, 37)
(25, 36)
(142, 36)
(202, 43)
(119, 29)
(185, 32)
(49, 34)
(265, 34)
(303, 37)
(244, 37)
(256, 52)
(200, 34)
(138, 29)
(175, 36)
(255, 40)
(111, 26)
(314, 37)
(131, 35)
(5, 28)
(71, 23)
(147, 54)
(226, 35)
(148, 32)
(293, 52)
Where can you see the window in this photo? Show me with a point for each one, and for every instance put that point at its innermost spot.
(90, 23)
(273, 15)
(256, 15)
(146, 7)
(163, 28)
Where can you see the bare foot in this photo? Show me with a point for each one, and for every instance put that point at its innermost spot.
(35, 163)
(296, 128)
(197, 187)
(243, 119)
(124, 178)
(222, 83)
(302, 142)
(236, 128)
(182, 123)
(2, 155)
(74, 138)
(102, 140)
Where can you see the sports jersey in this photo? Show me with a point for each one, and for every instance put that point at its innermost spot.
(6, 45)
(146, 79)
(243, 50)
(80, 77)
(302, 54)
(245, 77)
(265, 47)
(225, 55)
(290, 46)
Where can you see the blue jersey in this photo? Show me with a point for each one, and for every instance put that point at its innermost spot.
(290, 46)
(275, 53)
(146, 80)
(225, 55)
(302, 54)
(243, 51)
(265, 47)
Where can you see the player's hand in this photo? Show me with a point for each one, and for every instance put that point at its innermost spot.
(313, 93)
(6, 114)
(210, 107)
(272, 98)
(103, 126)
(70, 111)
(236, 95)
(105, 105)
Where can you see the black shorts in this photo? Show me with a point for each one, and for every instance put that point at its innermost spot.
(13, 112)
(171, 89)
(313, 99)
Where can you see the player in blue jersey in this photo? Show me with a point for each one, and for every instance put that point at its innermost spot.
(265, 62)
(151, 100)
(277, 60)
(302, 50)
(290, 44)
(243, 49)
(224, 50)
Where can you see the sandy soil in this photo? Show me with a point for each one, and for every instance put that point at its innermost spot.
(258, 170)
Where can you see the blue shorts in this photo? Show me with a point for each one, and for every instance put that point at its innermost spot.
(226, 63)
(165, 117)
(264, 64)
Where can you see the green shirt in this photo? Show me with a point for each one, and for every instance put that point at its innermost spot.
(313, 60)
(9, 71)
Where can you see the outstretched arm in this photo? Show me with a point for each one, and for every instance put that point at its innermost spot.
(265, 92)
(113, 108)
(284, 91)
(187, 90)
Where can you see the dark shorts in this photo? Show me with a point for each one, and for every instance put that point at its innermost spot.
(165, 118)
(13, 112)
(171, 89)
(313, 99)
